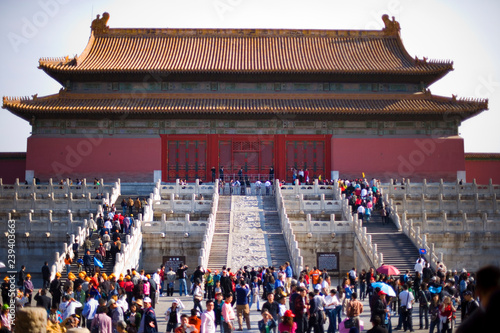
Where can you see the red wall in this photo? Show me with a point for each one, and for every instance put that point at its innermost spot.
(414, 158)
(131, 160)
(482, 171)
(12, 166)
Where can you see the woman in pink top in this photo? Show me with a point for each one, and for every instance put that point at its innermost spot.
(287, 324)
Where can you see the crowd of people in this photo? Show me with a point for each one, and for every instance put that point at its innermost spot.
(288, 302)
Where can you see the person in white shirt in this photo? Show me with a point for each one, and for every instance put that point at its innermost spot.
(208, 318)
(419, 267)
(407, 300)
(68, 306)
(331, 303)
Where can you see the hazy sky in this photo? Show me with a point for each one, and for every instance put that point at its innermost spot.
(466, 32)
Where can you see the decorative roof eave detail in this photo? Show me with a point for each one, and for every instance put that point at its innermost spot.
(421, 105)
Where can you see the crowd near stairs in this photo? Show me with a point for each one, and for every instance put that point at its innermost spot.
(396, 247)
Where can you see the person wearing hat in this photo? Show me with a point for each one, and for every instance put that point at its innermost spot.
(469, 305)
(379, 308)
(5, 290)
(116, 313)
(5, 318)
(173, 315)
(134, 317)
(55, 290)
(148, 321)
(287, 323)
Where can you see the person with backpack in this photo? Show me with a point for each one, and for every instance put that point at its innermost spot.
(424, 301)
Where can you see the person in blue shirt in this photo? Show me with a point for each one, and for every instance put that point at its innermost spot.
(289, 275)
(242, 308)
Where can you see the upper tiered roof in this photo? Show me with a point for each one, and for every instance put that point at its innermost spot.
(245, 55)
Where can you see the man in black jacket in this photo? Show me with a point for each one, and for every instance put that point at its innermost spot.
(272, 307)
(379, 306)
(42, 300)
(46, 275)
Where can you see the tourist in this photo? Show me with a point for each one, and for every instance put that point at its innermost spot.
(195, 320)
(89, 310)
(287, 324)
(28, 287)
(219, 302)
(181, 276)
(271, 306)
(228, 314)
(267, 323)
(55, 290)
(68, 306)
(148, 320)
(42, 300)
(185, 327)
(446, 312)
(424, 297)
(377, 327)
(208, 318)
(469, 305)
(46, 275)
(134, 319)
(197, 295)
(170, 277)
(101, 320)
(331, 303)
(254, 296)
(407, 301)
(242, 308)
(354, 309)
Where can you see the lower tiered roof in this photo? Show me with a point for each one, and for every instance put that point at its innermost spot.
(380, 106)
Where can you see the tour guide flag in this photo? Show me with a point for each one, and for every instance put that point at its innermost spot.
(98, 263)
(423, 251)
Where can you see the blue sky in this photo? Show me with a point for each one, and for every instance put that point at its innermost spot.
(463, 31)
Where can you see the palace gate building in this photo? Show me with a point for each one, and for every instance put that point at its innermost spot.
(148, 104)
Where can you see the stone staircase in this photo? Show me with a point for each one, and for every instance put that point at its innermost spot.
(256, 237)
(220, 242)
(397, 248)
(271, 226)
(107, 263)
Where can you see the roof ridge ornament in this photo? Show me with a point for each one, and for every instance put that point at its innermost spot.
(392, 28)
(98, 25)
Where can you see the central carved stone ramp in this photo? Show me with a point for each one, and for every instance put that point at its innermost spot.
(397, 248)
(220, 241)
(256, 235)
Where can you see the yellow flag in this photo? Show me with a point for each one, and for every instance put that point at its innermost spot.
(363, 174)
